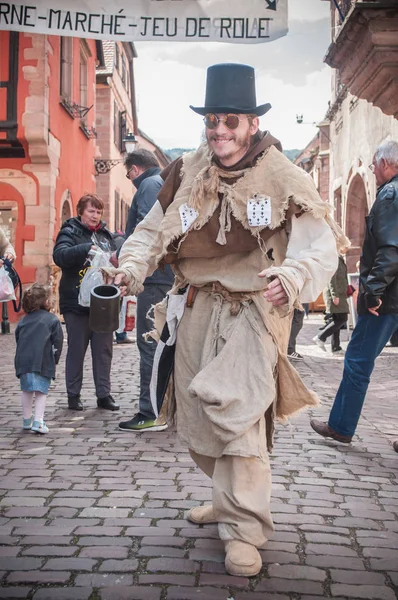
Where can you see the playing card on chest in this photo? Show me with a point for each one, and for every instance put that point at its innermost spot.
(259, 210)
(187, 215)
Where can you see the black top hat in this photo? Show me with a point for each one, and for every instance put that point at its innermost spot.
(231, 88)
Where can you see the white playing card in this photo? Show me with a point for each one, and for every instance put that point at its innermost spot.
(187, 215)
(259, 210)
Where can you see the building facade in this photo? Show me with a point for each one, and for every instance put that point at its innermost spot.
(314, 159)
(47, 140)
(116, 117)
(66, 104)
(364, 106)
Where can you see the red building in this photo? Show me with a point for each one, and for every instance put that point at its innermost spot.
(47, 140)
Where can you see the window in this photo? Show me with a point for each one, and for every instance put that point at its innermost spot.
(116, 57)
(123, 73)
(119, 127)
(83, 77)
(123, 131)
(66, 68)
(127, 83)
(116, 132)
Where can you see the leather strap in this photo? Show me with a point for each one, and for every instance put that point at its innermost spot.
(192, 291)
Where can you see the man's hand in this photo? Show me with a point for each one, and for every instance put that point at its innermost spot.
(117, 281)
(275, 293)
(373, 311)
(336, 301)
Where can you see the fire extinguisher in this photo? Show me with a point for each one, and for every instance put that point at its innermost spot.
(131, 308)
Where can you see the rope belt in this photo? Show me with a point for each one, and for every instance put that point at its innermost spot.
(216, 289)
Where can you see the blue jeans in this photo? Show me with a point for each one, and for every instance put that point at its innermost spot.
(151, 295)
(369, 337)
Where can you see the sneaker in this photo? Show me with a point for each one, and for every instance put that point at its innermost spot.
(295, 356)
(141, 423)
(39, 427)
(27, 423)
(317, 340)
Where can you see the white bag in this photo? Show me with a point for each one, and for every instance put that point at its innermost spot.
(6, 287)
(93, 275)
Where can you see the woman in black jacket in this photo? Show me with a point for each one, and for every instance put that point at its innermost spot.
(77, 237)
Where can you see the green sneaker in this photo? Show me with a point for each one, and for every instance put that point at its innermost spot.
(141, 423)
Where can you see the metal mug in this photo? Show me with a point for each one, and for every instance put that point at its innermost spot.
(104, 308)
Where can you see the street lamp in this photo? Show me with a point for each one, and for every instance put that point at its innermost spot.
(300, 121)
(130, 142)
(103, 166)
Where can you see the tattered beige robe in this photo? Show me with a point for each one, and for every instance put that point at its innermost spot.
(237, 367)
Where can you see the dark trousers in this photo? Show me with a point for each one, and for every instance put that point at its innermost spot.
(369, 337)
(297, 324)
(151, 295)
(79, 336)
(333, 329)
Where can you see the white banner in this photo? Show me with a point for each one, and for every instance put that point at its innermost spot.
(234, 21)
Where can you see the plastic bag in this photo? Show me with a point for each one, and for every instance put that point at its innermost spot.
(93, 276)
(6, 286)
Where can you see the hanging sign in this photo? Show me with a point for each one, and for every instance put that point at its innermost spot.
(234, 21)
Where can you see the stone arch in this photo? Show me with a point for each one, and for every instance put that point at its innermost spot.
(356, 211)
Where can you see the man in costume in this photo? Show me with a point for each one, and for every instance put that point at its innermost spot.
(247, 237)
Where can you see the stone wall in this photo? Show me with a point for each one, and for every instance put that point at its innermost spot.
(357, 128)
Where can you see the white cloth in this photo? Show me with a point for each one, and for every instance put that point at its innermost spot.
(175, 310)
(311, 259)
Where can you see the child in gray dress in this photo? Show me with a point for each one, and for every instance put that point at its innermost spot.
(39, 344)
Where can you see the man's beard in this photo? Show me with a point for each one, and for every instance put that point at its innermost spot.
(241, 142)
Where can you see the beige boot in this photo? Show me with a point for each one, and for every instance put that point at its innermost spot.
(242, 559)
(202, 515)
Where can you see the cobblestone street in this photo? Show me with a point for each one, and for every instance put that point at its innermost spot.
(91, 513)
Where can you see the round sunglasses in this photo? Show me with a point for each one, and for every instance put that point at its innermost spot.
(231, 121)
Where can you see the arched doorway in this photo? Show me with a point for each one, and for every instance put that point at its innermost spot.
(356, 211)
(65, 211)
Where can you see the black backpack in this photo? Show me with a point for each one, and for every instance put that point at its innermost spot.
(16, 282)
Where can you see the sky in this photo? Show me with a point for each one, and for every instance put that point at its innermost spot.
(290, 74)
